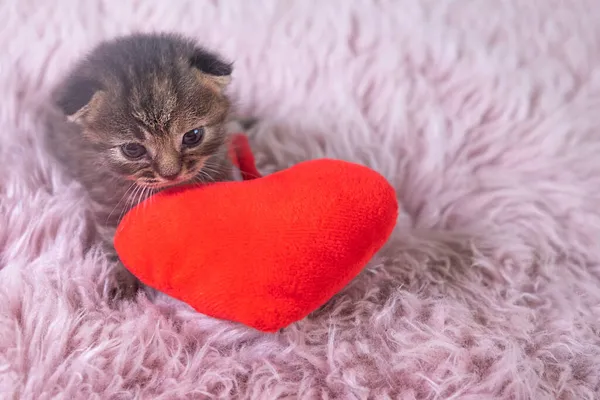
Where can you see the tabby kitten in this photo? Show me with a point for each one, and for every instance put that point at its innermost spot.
(140, 113)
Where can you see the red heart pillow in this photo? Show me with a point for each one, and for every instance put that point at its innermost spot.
(264, 252)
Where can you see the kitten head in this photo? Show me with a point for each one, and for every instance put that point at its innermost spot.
(151, 108)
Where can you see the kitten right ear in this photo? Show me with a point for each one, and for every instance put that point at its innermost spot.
(74, 97)
(212, 67)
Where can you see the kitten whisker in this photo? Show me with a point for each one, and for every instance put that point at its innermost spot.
(148, 197)
(129, 203)
(134, 196)
(118, 203)
(207, 168)
(198, 178)
(140, 199)
(136, 201)
(209, 178)
(144, 204)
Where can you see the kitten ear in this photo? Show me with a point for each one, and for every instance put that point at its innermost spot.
(76, 96)
(212, 67)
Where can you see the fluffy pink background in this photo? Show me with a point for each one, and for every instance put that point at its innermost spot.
(484, 114)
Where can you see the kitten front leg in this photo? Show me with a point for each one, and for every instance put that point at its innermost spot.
(120, 283)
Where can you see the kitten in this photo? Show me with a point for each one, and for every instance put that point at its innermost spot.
(141, 113)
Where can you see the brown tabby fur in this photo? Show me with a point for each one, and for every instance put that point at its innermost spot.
(143, 89)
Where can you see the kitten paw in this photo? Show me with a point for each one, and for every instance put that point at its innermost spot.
(121, 285)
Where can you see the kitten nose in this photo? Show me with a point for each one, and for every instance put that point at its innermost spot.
(168, 165)
(171, 176)
(169, 172)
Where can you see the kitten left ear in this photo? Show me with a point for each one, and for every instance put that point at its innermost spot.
(212, 68)
(76, 96)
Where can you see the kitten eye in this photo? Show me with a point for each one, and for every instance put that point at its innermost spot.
(133, 150)
(193, 137)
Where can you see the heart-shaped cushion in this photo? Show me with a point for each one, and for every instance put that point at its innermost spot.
(263, 252)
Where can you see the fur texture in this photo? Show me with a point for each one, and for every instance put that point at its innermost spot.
(135, 115)
(485, 117)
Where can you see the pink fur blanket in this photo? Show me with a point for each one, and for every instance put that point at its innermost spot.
(485, 116)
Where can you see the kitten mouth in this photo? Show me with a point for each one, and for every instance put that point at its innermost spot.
(190, 176)
(162, 185)
(159, 184)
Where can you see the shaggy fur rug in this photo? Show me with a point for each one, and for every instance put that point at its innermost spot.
(484, 115)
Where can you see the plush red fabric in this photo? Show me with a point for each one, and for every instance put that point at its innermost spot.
(263, 252)
(242, 157)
